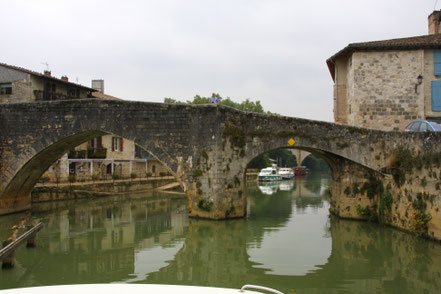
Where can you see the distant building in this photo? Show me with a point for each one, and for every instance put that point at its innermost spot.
(386, 84)
(22, 85)
(104, 156)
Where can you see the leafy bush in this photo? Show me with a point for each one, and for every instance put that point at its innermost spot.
(95, 177)
(71, 178)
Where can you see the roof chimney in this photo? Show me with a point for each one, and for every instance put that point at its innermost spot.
(47, 73)
(65, 79)
(434, 22)
(98, 85)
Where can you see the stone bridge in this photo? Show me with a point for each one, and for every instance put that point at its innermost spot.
(392, 177)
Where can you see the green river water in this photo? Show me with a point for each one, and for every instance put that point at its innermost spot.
(288, 242)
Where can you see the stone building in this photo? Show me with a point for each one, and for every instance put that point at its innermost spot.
(386, 84)
(22, 85)
(103, 157)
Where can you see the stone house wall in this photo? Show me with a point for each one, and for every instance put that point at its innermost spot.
(156, 167)
(380, 88)
(340, 93)
(21, 86)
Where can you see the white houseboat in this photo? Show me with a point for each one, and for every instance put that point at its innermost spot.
(286, 173)
(269, 174)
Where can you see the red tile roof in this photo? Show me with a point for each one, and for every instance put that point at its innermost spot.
(45, 77)
(100, 95)
(410, 43)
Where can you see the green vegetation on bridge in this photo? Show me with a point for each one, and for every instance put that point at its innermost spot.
(246, 105)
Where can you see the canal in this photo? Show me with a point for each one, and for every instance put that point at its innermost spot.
(288, 242)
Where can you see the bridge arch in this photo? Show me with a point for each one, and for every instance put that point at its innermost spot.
(28, 175)
(333, 161)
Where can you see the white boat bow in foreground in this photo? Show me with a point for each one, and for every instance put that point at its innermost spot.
(136, 289)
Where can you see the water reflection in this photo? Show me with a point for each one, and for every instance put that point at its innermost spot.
(288, 242)
(270, 188)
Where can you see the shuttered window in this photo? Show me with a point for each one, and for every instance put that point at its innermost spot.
(436, 95)
(117, 144)
(437, 62)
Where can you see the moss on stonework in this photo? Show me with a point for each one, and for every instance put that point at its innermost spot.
(235, 134)
(419, 223)
(385, 204)
(204, 155)
(355, 189)
(197, 173)
(205, 204)
(423, 182)
(373, 186)
(230, 211)
(367, 212)
(403, 162)
(342, 145)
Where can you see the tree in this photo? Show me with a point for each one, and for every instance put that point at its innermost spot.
(246, 105)
(283, 157)
(316, 164)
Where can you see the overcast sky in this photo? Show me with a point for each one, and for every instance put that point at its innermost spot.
(273, 51)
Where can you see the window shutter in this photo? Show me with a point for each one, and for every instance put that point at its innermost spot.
(113, 143)
(121, 144)
(100, 142)
(437, 62)
(436, 95)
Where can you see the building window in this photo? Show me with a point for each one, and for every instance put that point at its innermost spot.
(437, 62)
(117, 144)
(6, 89)
(436, 95)
(97, 143)
(138, 151)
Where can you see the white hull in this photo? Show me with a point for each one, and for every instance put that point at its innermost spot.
(135, 289)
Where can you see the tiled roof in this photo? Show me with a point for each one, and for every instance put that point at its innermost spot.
(100, 95)
(45, 77)
(418, 42)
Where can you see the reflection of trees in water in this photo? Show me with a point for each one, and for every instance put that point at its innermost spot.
(214, 254)
(314, 182)
(399, 261)
(304, 202)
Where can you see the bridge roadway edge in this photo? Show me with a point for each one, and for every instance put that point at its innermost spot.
(207, 148)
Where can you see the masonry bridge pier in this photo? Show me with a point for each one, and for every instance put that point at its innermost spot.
(392, 177)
